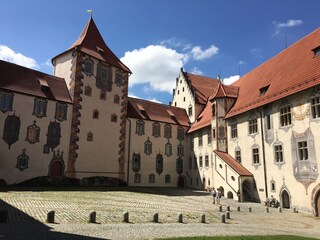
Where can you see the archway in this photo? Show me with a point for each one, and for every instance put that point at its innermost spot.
(230, 195)
(317, 205)
(180, 182)
(222, 191)
(246, 191)
(285, 199)
(56, 169)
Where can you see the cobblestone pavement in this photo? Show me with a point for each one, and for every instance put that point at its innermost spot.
(28, 211)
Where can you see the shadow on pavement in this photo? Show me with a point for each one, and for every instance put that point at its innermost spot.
(20, 225)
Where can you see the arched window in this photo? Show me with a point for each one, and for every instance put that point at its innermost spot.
(6, 100)
(156, 129)
(180, 150)
(179, 166)
(61, 111)
(136, 162)
(53, 135)
(180, 133)
(40, 107)
(148, 147)
(159, 163)
(140, 127)
(104, 77)
(167, 131)
(95, 114)
(11, 129)
(168, 149)
(33, 133)
(22, 161)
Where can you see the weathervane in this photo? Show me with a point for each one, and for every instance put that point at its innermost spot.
(90, 11)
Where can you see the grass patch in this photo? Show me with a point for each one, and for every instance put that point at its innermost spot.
(269, 237)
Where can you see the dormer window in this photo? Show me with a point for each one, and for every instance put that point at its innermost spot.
(263, 90)
(316, 51)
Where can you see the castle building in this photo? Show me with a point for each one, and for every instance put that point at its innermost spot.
(255, 139)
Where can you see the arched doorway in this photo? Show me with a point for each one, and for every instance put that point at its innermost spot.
(56, 169)
(230, 195)
(285, 199)
(222, 191)
(317, 205)
(246, 191)
(180, 181)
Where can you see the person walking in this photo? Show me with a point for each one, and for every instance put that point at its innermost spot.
(214, 195)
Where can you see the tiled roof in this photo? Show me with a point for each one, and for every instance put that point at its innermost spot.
(204, 118)
(146, 110)
(92, 43)
(201, 86)
(28, 81)
(224, 91)
(292, 70)
(241, 170)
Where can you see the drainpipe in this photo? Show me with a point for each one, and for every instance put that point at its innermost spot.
(129, 146)
(263, 155)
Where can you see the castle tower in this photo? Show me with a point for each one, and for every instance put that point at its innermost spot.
(98, 84)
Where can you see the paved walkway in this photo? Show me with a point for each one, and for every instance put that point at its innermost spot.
(28, 210)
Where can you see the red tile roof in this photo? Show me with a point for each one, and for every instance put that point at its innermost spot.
(241, 170)
(293, 70)
(224, 91)
(146, 110)
(201, 86)
(92, 43)
(28, 81)
(204, 118)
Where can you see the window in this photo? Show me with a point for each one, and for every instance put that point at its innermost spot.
(255, 155)
(273, 185)
(238, 155)
(200, 140)
(285, 116)
(119, 78)
(53, 134)
(40, 107)
(88, 67)
(116, 99)
(180, 150)
(315, 107)
(179, 166)
(234, 130)
(95, 114)
(114, 118)
(104, 77)
(168, 149)
(148, 147)
(167, 131)
(253, 125)
(33, 133)
(206, 160)
(268, 121)
(184, 99)
(22, 161)
(263, 90)
(213, 110)
(316, 51)
(209, 137)
(278, 153)
(136, 162)
(87, 91)
(152, 178)
(213, 133)
(167, 178)
(61, 111)
(303, 150)
(89, 136)
(137, 178)
(180, 133)
(103, 95)
(200, 162)
(156, 129)
(11, 129)
(159, 163)
(140, 127)
(6, 100)
(190, 110)
(183, 89)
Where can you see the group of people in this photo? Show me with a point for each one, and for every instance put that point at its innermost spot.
(216, 194)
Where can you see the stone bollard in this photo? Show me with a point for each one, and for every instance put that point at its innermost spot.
(227, 214)
(228, 208)
(180, 218)
(202, 218)
(279, 209)
(294, 210)
(50, 217)
(92, 217)
(3, 216)
(223, 218)
(238, 208)
(267, 209)
(220, 208)
(126, 217)
(155, 217)
(250, 209)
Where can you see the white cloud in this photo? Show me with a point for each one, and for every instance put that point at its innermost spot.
(154, 64)
(154, 100)
(288, 24)
(199, 54)
(196, 71)
(7, 54)
(241, 62)
(231, 79)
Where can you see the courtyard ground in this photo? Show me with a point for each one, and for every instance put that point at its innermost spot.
(28, 210)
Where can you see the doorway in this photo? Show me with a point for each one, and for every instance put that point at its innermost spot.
(285, 199)
(56, 169)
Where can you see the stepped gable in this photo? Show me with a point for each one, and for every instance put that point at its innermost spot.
(28, 81)
(292, 70)
(201, 86)
(91, 42)
(146, 110)
(241, 170)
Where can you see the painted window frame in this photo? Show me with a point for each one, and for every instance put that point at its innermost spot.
(40, 107)
(6, 101)
(61, 111)
(140, 127)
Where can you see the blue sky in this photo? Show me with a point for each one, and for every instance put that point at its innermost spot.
(155, 38)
